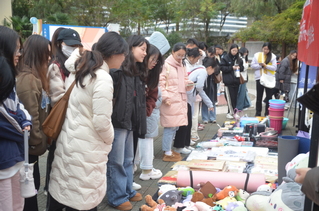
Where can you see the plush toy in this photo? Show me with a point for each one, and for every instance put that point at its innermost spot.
(242, 195)
(287, 196)
(232, 206)
(171, 197)
(266, 187)
(198, 196)
(208, 189)
(218, 208)
(227, 191)
(300, 161)
(201, 206)
(225, 201)
(165, 188)
(187, 191)
(153, 206)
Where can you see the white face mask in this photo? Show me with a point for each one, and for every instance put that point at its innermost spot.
(67, 50)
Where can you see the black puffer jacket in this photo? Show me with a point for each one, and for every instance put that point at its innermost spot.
(226, 66)
(129, 102)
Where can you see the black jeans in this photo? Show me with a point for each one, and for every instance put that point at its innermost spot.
(183, 134)
(31, 204)
(260, 92)
(54, 205)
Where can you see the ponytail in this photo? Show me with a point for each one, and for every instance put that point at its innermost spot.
(87, 64)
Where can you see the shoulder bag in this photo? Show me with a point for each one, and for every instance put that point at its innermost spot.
(217, 78)
(53, 123)
(266, 80)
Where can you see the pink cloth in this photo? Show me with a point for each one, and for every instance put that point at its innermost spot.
(10, 198)
(173, 81)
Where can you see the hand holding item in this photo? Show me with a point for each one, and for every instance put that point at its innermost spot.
(211, 109)
(301, 174)
(235, 67)
(27, 128)
(262, 65)
(190, 85)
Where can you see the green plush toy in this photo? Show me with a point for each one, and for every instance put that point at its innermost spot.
(187, 191)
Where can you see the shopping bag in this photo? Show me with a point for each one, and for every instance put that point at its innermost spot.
(268, 81)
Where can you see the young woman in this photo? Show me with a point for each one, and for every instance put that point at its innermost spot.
(231, 65)
(191, 60)
(287, 75)
(243, 100)
(199, 75)
(67, 40)
(87, 133)
(129, 114)
(13, 119)
(57, 75)
(263, 61)
(33, 91)
(154, 63)
(210, 89)
(174, 83)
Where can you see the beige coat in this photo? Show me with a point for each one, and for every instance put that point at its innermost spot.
(78, 176)
(173, 81)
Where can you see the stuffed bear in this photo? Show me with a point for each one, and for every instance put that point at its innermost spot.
(198, 196)
(153, 206)
(225, 201)
(287, 196)
(227, 191)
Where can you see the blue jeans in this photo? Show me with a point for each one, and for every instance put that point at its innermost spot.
(243, 100)
(120, 168)
(168, 136)
(208, 115)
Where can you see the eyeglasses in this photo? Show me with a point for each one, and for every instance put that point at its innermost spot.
(19, 51)
(154, 60)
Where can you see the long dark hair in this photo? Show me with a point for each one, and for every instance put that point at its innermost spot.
(7, 79)
(269, 55)
(293, 63)
(234, 57)
(243, 50)
(36, 55)
(153, 74)
(54, 41)
(58, 55)
(111, 43)
(130, 66)
(8, 45)
(210, 62)
(87, 64)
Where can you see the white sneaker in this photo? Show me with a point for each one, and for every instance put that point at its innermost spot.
(183, 150)
(136, 186)
(154, 174)
(229, 116)
(192, 143)
(190, 148)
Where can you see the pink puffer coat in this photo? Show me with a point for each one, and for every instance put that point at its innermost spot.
(173, 81)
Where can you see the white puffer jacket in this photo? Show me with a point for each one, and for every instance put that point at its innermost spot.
(78, 176)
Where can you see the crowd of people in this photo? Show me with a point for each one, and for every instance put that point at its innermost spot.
(120, 90)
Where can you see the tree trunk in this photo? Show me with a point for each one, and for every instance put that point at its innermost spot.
(283, 50)
(177, 26)
(138, 28)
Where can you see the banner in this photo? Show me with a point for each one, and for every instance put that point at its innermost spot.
(308, 42)
(89, 35)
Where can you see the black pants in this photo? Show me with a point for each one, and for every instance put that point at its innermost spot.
(260, 91)
(233, 93)
(31, 204)
(183, 134)
(54, 205)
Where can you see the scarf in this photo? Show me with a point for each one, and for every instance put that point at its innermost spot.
(262, 59)
(180, 69)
